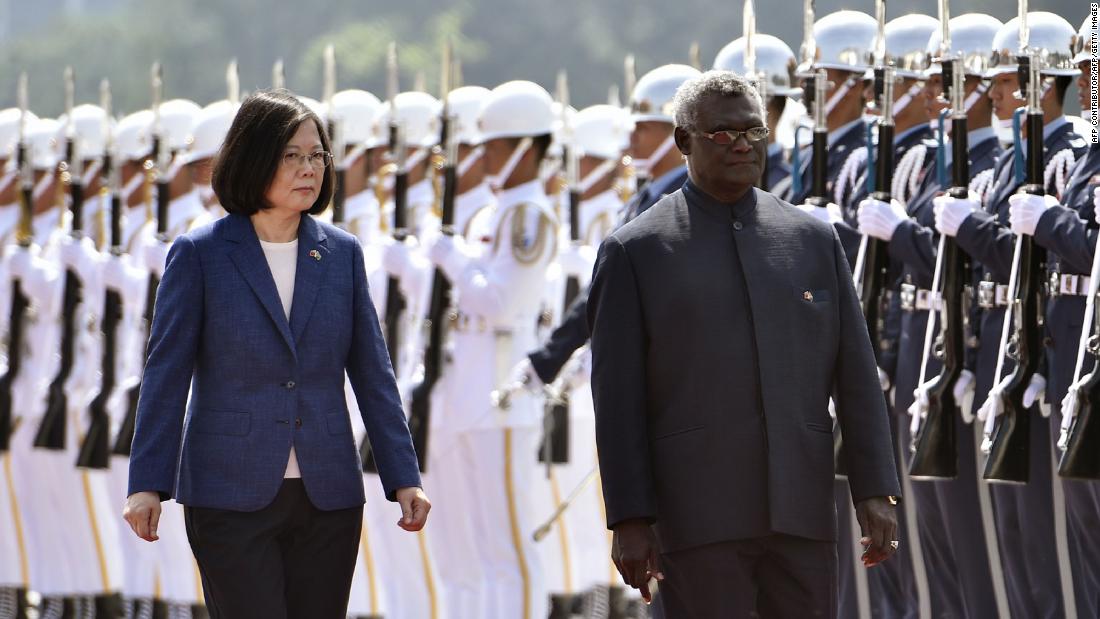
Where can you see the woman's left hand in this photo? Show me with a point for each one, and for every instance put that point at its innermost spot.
(414, 508)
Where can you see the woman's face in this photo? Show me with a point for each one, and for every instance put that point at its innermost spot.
(297, 181)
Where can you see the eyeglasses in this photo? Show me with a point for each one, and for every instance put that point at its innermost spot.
(729, 136)
(318, 160)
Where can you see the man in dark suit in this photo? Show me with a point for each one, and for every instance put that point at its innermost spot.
(723, 319)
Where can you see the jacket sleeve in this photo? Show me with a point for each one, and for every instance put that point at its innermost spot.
(619, 387)
(1062, 231)
(989, 242)
(173, 345)
(570, 335)
(914, 245)
(860, 403)
(368, 368)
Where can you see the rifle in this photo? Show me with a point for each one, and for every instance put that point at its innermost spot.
(935, 445)
(156, 167)
(51, 432)
(420, 400)
(335, 136)
(1009, 442)
(95, 451)
(395, 302)
(758, 77)
(1080, 441)
(19, 301)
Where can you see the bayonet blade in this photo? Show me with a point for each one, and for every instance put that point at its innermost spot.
(278, 75)
(1025, 32)
(445, 70)
(329, 88)
(696, 59)
(945, 29)
(70, 99)
(880, 37)
(391, 73)
(630, 77)
(809, 45)
(749, 23)
(233, 82)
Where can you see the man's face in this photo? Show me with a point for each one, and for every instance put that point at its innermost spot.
(1001, 93)
(719, 167)
(933, 104)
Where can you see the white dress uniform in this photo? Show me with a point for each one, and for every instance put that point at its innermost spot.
(499, 288)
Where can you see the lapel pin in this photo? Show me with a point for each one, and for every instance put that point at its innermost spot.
(316, 255)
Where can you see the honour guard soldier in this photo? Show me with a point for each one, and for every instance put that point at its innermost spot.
(843, 41)
(1025, 513)
(955, 522)
(1065, 226)
(499, 287)
(209, 131)
(775, 65)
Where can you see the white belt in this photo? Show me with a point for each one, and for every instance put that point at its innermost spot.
(1067, 284)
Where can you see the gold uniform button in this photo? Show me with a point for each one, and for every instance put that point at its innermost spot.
(809, 296)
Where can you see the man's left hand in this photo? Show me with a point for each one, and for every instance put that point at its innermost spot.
(414, 508)
(878, 519)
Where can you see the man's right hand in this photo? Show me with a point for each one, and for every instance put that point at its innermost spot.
(634, 551)
(142, 513)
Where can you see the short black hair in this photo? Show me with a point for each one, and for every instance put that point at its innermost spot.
(1061, 85)
(253, 150)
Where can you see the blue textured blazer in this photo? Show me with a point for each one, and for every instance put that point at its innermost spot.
(259, 383)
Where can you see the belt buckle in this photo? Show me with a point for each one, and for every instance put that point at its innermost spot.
(908, 297)
(924, 300)
(986, 294)
(1054, 284)
(1070, 284)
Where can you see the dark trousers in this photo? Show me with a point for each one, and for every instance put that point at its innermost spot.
(772, 577)
(288, 560)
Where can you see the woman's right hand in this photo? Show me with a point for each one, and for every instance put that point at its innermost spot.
(142, 513)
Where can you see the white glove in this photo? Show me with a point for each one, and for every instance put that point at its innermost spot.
(524, 374)
(1025, 209)
(1096, 204)
(951, 213)
(1034, 392)
(883, 380)
(918, 410)
(829, 214)
(577, 261)
(396, 256)
(964, 394)
(880, 219)
(449, 254)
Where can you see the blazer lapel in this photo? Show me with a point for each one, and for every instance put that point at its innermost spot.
(249, 259)
(312, 251)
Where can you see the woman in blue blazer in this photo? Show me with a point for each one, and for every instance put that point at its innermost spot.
(258, 317)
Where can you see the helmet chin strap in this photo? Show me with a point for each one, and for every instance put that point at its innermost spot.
(907, 98)
(498, 180)
(91, 172)
(599, 172)
(973, 97)
(354, 155)
(6, 179)
(41, 186)
(646, 165)
(132, 186)
(473, 157)
(839, 94)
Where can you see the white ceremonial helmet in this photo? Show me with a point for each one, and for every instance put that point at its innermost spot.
(655, 91)
(44, 145)
(1050, 35)
(417, 113)
(464, 105)
(89, 128)
(1083, 42)
(601, 131)
(516, 109)
(177, 116)
(134, 136)
(845, 40)
(212, 124)
(9, 129)
(355, 111)
(315, 106)
(907, 43)
(774, 59)
(972, 36)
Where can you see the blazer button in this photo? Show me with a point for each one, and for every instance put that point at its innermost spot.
(298, 422)
(737, 226)
(290, 385)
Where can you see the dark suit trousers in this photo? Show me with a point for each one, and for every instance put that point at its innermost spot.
(771, 578)
(288, 560)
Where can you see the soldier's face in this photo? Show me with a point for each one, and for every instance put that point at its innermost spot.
(724, 166)
(1001, 93)
(1083, 82)
(933, 88)
(647, 136)
(297, 184)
